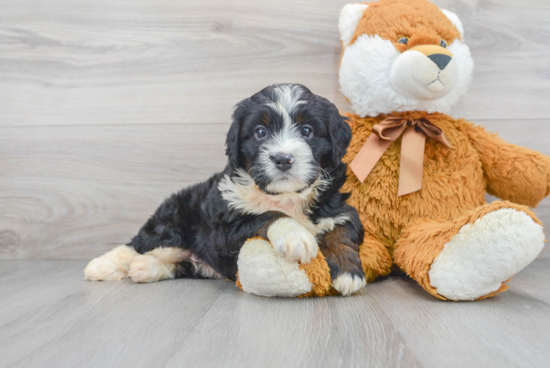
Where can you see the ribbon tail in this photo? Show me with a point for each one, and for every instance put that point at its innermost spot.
(368, 156)
(412, 162)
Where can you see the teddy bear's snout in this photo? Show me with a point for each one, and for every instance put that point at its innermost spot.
(424, 72)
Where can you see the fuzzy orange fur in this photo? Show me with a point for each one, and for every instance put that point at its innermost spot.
(422, 22)
(513, 173)
(319, 276)
(411, 230)
(375, 258)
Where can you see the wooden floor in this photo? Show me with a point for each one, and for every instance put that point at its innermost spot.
(106, 107)
(49, 317)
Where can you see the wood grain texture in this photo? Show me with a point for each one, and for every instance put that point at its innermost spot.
(108, 107)
(156, 62)
(72, 192)
(51, 318)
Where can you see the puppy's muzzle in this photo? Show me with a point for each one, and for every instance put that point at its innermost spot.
(283, 161)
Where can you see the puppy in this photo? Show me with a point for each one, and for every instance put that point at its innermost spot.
(281, 183)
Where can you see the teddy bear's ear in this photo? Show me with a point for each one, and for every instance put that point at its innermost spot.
(454, 20)
(350, 15)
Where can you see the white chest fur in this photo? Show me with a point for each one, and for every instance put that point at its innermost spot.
(243, 194)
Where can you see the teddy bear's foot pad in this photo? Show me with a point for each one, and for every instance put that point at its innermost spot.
(486, 253)
(263, 272)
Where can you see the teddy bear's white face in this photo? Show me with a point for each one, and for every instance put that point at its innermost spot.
(424, 72)
(378, 78)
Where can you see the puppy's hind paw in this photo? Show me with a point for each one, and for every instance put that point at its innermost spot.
(103, 269)
(111, 266)
(292, 241)
(148, 268)
(346, 284)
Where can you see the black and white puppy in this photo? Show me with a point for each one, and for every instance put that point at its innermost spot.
(281, 183)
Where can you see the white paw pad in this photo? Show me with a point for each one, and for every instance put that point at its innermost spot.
(347, 284)
(486, 253)
(292, 241)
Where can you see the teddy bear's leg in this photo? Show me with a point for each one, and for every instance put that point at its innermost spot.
(263, 272)
(375, 258)
(470, 258)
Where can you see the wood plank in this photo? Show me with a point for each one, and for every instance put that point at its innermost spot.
(286, 332)
(509, 330)
(76, 192)
(95, 323)
(73, 192)
(52, 318)
(142, 62)
(27, 286)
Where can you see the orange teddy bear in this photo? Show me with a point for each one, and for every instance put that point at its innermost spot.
(417, 176)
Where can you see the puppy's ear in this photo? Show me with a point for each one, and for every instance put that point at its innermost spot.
(339, 133)
(232, 142)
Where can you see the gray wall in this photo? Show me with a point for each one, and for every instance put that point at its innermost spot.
(106, 107)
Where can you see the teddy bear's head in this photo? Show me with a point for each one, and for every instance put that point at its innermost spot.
(402, 55)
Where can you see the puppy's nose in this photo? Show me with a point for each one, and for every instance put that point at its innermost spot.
(440, 60)
(283, 161)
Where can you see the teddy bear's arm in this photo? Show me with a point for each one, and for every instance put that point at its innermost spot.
(513, 173)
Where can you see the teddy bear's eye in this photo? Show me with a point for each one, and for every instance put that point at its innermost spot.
(403, 40)
(443, 43)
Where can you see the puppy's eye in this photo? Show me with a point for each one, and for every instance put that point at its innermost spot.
(261, 132)
(443, 43)
(307, 132)
(403, 40)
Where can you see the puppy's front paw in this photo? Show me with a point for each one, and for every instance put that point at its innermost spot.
(346, 284)
(292, 241)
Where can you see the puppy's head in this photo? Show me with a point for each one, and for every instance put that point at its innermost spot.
(286, 138)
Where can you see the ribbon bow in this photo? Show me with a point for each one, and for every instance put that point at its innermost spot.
(412, 149)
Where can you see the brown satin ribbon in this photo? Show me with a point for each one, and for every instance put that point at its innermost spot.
(412, 149)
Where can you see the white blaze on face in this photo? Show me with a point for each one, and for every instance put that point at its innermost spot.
(287, 140)
(378, 79)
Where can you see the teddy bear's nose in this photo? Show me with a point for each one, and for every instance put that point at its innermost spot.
(439, 55)
(440, 60)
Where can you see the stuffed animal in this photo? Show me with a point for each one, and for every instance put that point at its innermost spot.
(263, 272)
(417, 176)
